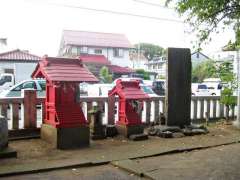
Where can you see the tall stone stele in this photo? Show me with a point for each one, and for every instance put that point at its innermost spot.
(178, 87)
(3, 133)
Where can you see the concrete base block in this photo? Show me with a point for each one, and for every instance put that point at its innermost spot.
(3, 132)
(8, 153)
(129, 130)
(66, 138)
(111, 131)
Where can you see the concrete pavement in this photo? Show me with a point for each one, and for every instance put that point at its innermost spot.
(37, 156)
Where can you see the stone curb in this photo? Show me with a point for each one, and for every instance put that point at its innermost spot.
(103, 162)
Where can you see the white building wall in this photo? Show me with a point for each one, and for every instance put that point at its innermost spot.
(138, 64)
(20, 69)
(159, 68)
(123, 61)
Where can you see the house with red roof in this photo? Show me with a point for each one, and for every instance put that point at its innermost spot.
(115, 47)
(96, 62)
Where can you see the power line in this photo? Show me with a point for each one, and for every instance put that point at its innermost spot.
(116, 12)
(152, 4)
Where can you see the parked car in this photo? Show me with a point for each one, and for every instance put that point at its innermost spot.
(148, 83)
(214, 86)
(159, 87)
(96, 90)
(200, 90)
(21, 72)
(148, 91)
(129, 79)
(15, 91)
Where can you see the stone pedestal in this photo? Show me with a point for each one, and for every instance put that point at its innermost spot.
(66, 138)
(5, 151)
(3, 133)
(97, 129)
(128, 130)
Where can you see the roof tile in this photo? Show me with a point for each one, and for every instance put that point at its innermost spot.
(85, 38)
(18, 55)
(63, 69)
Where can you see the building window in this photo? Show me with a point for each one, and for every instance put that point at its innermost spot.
(10, 71)
(74, 50)
(83, 49)
(118, 52)
(98, 51)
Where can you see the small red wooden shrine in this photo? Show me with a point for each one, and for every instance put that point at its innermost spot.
(63, 76)
(130, 100)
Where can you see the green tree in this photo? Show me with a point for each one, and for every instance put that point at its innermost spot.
(150, 50)
(144, 74)
(105, 76)
(206, 16)
(225, 73)
(206, 69)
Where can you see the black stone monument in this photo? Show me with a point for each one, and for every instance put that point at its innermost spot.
(178, 87)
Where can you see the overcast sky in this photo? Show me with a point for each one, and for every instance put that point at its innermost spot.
(36, 25)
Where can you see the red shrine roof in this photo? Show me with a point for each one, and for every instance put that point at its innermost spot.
(128, 90)
(63, 69)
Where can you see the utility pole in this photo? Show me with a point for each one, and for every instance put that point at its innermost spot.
(237, 123)
(138, 55)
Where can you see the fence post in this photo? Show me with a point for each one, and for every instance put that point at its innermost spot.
(214, 108)
(14, 116)
(111, 110)
(4, 110)
(43, 111)
(156, 111)
(201, 109)
(195, 111)
(221, 109)
(207, 108)
(148, 112)
(29, 108)
(89, 107)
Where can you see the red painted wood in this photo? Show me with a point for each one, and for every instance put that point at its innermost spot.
(130, 102)
(62, 89)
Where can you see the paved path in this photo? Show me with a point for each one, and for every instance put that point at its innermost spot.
(103, 172)
(219, 163)
(37, 156)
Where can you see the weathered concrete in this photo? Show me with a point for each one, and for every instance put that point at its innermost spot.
(126, 130)
(39, 156)
(3, 133)
(65, 138)
(178, 83)
(5, 152)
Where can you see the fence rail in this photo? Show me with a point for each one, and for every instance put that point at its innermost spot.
(28, 112)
